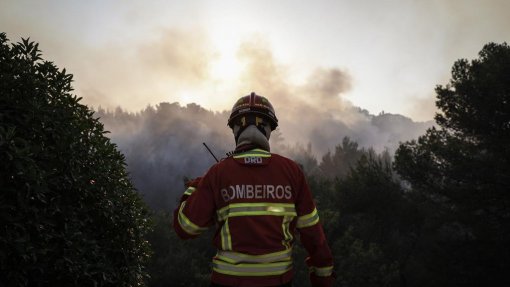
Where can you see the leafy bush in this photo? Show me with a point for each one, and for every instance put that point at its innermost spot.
(69, 215)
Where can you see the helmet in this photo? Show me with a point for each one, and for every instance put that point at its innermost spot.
(253, 104)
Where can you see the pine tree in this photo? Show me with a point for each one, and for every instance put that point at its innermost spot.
(464, 167)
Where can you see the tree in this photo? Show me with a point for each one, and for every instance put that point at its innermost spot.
(338, 164)
(375, 229)
(69, 215)
(463, 167)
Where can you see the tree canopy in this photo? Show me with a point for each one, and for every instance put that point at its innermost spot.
(464, 166)
(68, 211)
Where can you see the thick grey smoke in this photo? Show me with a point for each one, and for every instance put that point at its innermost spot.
(316, 112)
(163, 144)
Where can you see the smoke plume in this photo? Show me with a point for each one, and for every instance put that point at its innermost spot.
(163, 143)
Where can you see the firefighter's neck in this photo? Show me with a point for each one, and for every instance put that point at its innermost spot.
(252, 136)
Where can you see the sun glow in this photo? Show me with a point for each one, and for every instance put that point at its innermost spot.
(187, 97)
(225, 65)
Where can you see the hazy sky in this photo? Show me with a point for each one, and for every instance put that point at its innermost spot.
(380, 55)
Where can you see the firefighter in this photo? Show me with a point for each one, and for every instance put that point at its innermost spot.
(257, 200)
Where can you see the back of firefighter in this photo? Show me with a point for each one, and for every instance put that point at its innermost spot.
(257, 200)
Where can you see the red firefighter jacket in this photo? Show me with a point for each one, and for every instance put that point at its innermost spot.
(257, 200)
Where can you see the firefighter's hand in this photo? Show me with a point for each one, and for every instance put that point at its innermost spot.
(190, 187)
(193, 182)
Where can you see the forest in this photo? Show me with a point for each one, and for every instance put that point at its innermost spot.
(77, 207)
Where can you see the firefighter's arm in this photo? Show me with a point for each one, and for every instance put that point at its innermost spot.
(195, 211)
(191, 186)
(320, 259)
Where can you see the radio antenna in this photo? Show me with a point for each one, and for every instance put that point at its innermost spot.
(211, 152)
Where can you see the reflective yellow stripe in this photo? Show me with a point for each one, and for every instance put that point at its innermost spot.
(322, 271)
(259, 208)
(237, 257)
(190, 190)
(226, 240)
(287, 241)
(308, 219)
(186, 224)
(252, 269)
(253, 153)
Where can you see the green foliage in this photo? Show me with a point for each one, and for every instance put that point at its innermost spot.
(69, 214)
(342, 160)
(361, 264)
(370, 220)
(371, 224)
(463, 170)
(176, 262)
